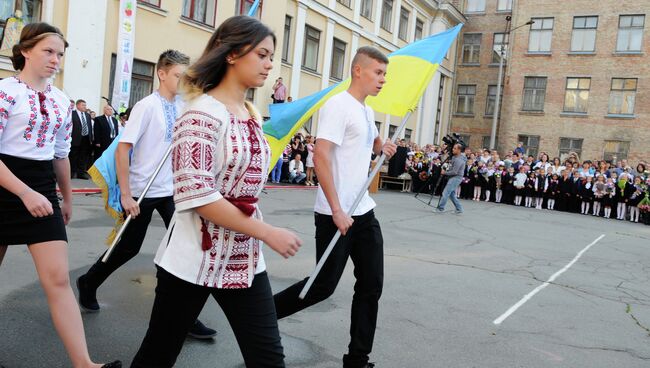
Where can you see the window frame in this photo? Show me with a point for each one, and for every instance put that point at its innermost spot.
(618, 150)
(507, 9)
(18, 5)
(492, 98)
(386, 15)
(342, 55)
(579, 90)
(367, 5)
(622, 91)
(528, 148)
(584, 30)
(630, 28)
(534, 90)
(286, 41)
(403, 26)
(535, 32)
(468, 11)
(304, 52)
(505, 41)
(472, 47)
(148, 3)
(134, 76)
(190, 16)
(346, 3)
(419, 26)
(467, 98)
(241, 10)
(571, 148)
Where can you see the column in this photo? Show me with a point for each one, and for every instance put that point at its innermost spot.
(327, 62)
(84, 59)
(397, 9)
(299, 44)
(412, 18)
(353, 46)
(380, 4)
(429, 107)
(357, 11)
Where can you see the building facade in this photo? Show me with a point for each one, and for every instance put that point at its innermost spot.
(576, 79)
(316, 42)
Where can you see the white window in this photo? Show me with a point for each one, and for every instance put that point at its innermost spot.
(386, 14)
(475, 6)
(584, 34)
(287, 36)
(338, 60)
(466, 94)
(630, 33)
(504, 5)
(534, 93)
(541, 33)
(366, 9)
(310, 54)
(403, 24)
(499, 40)
(622, 96)
(576, 97)
(491, 100)
(419, 29)
(471, 48)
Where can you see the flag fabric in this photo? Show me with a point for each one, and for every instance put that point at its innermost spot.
(253, 9)
(104, 175)
(409, 71)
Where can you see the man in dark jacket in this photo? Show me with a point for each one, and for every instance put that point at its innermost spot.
(82, 139)
(105, 130)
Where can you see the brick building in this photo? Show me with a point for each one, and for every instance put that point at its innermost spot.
(576, 80)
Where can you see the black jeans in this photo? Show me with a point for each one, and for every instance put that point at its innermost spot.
(250, 312)
(364, 244)
(131, 242)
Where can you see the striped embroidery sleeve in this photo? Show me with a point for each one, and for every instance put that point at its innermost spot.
(196, 160)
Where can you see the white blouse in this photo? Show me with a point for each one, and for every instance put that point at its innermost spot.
(34, 125)
(214, 157)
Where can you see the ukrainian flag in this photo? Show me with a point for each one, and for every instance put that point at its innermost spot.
(104, 175)
(410, 70)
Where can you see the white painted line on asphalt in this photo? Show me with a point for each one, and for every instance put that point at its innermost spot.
(542, 286)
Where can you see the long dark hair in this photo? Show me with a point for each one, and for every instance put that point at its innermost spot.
(237, 36)
(29, 37)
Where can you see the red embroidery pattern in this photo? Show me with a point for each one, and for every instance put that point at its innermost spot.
(4, 112)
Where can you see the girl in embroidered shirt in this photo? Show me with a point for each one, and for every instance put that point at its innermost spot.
(35, 126)
(220, 161)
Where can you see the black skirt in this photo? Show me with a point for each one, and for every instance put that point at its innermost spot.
(17, 225)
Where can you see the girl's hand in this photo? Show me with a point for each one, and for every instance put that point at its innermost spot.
(36, 203)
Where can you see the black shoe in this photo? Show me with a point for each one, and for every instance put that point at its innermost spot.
(83, 176)
(201, 331)
(87, 297)
(115, 364)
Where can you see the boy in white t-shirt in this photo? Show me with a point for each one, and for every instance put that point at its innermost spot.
(144, 142)
(347, 137)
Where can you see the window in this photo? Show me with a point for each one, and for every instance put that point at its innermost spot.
(338, 60)
(202, 11)
(616, 150)
(531, 144)
(584, 34)
(308, 125)
(407, 134)
(630, 33)
(366, 9)
(465, 138)
(31, 12)
(391, 130)
(310, 54)
(491, 100)
(504, 5)
(534, 93)
(568, 145)
(403, 24)
(344, 2)
(378, 125)
(486, 142)
(386, 14)
(622, 96)
(475, 6)
(541, 33)
(142, 74)
(155, 3)
(419, 29)
(471, 48)
(244, 6)
(466, 94)
(286, 40)
(499, 40)
(576, 97)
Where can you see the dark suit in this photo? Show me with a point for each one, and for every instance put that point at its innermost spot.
(81, 145)
(103, 135)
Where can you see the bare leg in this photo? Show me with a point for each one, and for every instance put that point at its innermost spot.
(51, 260)
(3, 250)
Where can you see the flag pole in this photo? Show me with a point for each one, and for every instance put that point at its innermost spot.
(360, 196)
(128, 219)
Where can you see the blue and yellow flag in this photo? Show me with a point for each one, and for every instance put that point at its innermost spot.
(104, 175)
(409, 71)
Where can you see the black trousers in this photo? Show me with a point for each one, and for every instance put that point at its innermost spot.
(250, 312)
(131, 242)
(364, 244)
(80, 156)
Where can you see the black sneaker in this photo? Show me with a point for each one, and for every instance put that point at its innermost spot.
(115, 364)
(87, 297)
(201, 331)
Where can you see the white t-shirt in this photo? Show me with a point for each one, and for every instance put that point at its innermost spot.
(149, 129)
(350, 125)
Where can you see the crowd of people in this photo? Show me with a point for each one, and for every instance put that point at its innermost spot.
(590, 187)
